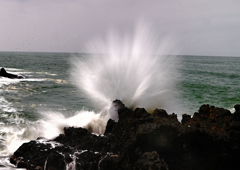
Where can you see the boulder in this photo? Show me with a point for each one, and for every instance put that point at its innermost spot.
(4, 73)
(139, 140)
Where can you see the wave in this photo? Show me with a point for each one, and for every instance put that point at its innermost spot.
(6, 106)
(134, 69)
(18, 130)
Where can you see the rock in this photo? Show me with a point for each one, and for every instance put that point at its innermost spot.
(185, 118)
(150, 160)
(237, 112)
(139, 140)
(160, 113)
(237, 107)
(204, 109)
(3, 73)
(110, 125)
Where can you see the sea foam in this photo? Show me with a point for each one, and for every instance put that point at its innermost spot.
(134, 68)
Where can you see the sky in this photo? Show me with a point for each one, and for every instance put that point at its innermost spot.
(201, 27)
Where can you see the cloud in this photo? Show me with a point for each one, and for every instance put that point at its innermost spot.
(200, 27)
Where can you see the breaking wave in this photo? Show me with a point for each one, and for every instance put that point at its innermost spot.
(134, 68)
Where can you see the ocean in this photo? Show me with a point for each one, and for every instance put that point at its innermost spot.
(64, 89)
(48, 98)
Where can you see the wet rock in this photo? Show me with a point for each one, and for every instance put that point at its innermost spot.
(4, 73)
(138, 140)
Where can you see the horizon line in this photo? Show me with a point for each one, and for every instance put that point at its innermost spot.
(196, 55)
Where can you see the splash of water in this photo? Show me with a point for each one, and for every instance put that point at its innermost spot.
(132, 68)
(18, 130)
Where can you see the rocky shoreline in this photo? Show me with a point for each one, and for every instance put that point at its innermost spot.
(207, 140)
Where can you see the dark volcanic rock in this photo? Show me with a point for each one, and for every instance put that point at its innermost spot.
(139, 140)
(3, 73)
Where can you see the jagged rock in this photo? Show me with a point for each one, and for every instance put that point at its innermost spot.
(110, 125)
(237, 107)
(139, 140)
(159, 113)
(185, 118)
(4, 73)
(237, 112)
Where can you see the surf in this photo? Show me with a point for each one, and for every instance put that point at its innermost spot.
(133, 67)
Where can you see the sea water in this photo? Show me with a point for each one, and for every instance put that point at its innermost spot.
(65, 89)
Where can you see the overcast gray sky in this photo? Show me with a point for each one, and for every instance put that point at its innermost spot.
(200, 27)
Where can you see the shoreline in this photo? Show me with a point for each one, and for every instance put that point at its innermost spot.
(139, 140)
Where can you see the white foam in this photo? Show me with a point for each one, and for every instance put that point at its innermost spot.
(129, 70)
(6, 81)
(13, 69)
(53, 123)
(133, 69)
(46, 73)
(53, 144)
(6, 106)
(232, 110)
(5, 161)
(16, 132)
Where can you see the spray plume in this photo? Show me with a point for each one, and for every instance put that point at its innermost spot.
(133, 68)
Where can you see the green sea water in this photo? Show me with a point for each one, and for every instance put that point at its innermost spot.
(209, 80)
(48, 97)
